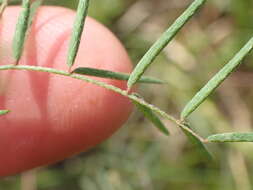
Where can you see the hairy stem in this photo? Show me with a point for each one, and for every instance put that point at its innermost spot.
(106, 86)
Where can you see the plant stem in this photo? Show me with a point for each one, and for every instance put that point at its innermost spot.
(106, 86)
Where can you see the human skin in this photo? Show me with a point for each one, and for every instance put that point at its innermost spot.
(53, 117)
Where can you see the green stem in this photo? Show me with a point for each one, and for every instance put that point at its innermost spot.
(106, 86)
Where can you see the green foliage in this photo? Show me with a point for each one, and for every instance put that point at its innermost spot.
(25, 20)
(21, 29)
(196, 142)
(217, 80)
(34, 7)
(152, 117)
(161, 43)
(81, 14)
(231, 137)
(113, 75)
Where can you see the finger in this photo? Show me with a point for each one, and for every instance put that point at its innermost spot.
(53, 117)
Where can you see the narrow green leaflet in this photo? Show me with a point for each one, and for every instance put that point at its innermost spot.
(21, 29)
(162, 42)
(196, 141)
(231, 137)
(81, 14)
(33, 10)
(152, 117)
(3, 5)
(113, 75)
(217, 80)
(3, 112)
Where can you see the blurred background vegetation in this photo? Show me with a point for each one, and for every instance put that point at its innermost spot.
(138, 156)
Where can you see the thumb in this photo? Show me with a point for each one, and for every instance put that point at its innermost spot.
(53, 117)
